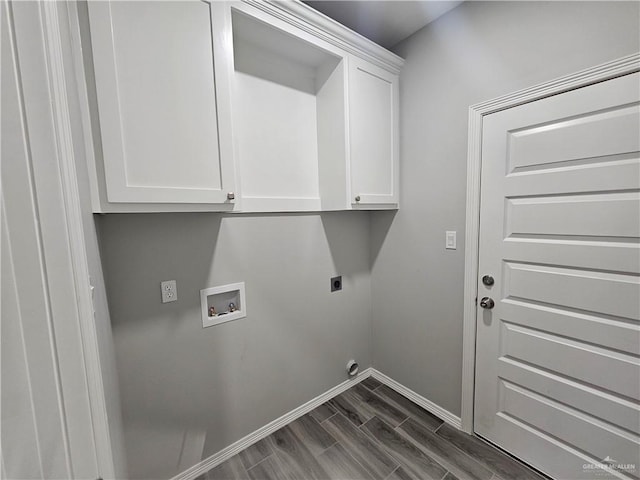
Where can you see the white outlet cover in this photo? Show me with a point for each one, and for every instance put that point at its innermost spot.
(169, 291)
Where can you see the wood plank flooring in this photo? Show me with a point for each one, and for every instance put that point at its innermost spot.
(370, 432)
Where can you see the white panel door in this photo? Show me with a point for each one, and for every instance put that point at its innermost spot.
(156, 89)
(558, 357)
(373, 134)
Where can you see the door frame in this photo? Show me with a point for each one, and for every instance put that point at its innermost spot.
(583, 78)
(49, 35)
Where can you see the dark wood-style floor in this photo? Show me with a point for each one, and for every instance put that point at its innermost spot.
(370, 432)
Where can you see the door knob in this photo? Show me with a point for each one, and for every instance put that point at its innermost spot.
(488, 280)
(487, 303)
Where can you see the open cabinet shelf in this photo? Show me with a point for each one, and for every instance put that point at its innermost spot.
(289, 115)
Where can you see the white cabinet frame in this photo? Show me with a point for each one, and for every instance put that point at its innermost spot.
(111, 191)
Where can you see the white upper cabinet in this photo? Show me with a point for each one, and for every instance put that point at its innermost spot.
(373, 134)
(243, 106)
(315, 117)
(163, 133)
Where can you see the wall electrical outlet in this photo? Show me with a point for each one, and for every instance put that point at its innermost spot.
(336, 283)
(169, 291)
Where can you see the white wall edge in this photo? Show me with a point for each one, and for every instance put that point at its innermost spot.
(606, 71)
(418, 399)
(268, 429)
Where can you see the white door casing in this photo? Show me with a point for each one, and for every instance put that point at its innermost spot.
(55, 424)
(557, 367)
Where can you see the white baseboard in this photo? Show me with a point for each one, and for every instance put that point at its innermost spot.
(237, 447)
(428, 405)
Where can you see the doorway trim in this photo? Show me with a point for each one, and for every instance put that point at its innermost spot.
(53, 28)
(600, 73)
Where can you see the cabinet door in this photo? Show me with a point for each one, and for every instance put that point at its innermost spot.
(373, 134)
(156, 93)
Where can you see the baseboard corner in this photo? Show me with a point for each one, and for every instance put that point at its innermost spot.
(236, 447)
(428, 405)
(228, 452)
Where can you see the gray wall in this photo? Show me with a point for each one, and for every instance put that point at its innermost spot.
(476, 52)
(224, 382)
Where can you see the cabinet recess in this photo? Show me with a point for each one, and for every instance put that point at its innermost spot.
(288, 105)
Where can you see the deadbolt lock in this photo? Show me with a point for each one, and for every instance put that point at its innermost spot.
(488, 280)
